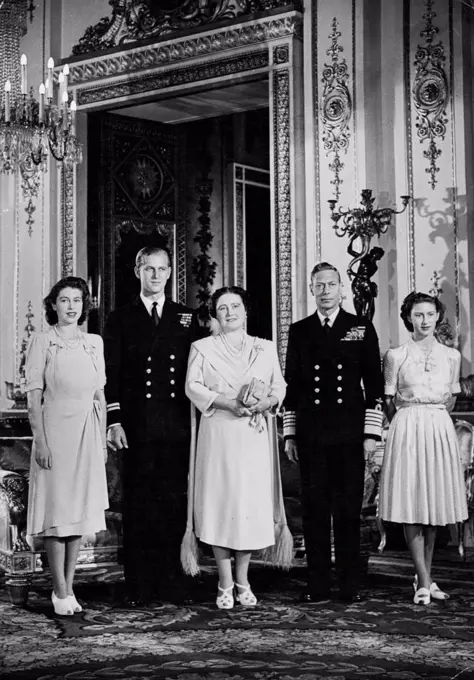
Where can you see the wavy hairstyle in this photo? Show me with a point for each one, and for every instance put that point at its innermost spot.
(416, 298)
(68, 282)
(235, 290)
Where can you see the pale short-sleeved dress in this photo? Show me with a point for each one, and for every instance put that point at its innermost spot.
(233, 500)
(71, 497)
(422, 480)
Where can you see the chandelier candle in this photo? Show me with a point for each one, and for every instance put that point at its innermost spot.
(24, 79)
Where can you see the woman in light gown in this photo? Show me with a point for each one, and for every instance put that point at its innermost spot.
(236, 480)
(422, 484)
(65, 377)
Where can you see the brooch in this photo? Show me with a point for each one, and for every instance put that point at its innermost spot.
(355, 333)
(185, 319)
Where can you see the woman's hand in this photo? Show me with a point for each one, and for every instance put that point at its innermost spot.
(43, 455)
(238, 409)
(262, 406)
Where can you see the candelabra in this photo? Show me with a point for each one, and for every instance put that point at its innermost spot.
(361, 225)
(30, 127)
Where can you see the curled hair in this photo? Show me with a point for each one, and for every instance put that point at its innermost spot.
(234, 290)
(416, 298)
(68, 282)
(322, 267)
(151, 250)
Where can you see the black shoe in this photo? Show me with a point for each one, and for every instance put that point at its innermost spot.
(349, 597)
(308, 597)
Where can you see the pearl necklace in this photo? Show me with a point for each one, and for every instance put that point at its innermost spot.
(72, 344)
(237, 351)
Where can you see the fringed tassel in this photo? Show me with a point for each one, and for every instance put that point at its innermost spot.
(190, 553)
(281, 554)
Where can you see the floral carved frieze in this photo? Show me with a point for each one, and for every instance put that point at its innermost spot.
(336, 108)
(184, 49)
(176, 77)
(430, 93)
(134, 20)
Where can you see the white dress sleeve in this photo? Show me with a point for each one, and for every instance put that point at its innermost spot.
(390, 372)
(35, 362)
(98, 344)
(196, 390)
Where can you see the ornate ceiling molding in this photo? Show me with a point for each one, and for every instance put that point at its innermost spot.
(169, 53)
(174, 78)
(430, 93)
(135, 20)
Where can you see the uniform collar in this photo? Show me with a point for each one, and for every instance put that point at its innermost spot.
(148, 302)
(331, 317)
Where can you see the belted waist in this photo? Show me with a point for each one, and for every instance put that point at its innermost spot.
(411, 405)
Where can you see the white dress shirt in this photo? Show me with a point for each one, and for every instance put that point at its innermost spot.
(148, 302)
(331, 317)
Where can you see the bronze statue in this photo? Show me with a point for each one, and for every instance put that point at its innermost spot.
(363, 289)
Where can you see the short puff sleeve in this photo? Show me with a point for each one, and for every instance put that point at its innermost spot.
(455, 361)
(390, 372)
(36, 362)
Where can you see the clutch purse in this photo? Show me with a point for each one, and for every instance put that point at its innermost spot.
(250, 394)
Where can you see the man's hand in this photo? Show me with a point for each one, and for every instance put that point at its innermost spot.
(370, 447)
(291, 451)
(116, 438)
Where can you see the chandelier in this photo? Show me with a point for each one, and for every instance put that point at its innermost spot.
(31, 128)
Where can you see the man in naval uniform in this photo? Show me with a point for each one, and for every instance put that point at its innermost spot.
(332, 420)
(148, 418)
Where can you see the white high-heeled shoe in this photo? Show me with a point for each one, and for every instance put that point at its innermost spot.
(246, 597)
(62, 605)
(435, 592)
(76, 607)
(226, 600)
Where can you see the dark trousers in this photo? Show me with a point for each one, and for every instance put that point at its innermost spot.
(154, 516)
(332, 484)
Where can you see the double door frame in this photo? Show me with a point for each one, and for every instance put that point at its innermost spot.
(268, 48)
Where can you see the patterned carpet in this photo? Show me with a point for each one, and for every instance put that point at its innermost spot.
(385, 636)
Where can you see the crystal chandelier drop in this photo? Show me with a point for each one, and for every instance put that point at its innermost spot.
(30, 128)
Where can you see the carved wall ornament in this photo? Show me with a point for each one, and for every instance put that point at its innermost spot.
(281, 54)
(134, 20)
(430, 93)
(336, 108)
(126, 225)
(16, 392)
(444, 332)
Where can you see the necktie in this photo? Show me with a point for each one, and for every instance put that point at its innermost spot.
(154, 314)
(326, 325)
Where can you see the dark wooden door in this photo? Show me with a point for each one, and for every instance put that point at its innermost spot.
(133, 180)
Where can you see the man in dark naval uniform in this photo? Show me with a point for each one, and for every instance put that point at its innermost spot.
(333, 417)
(148, 416)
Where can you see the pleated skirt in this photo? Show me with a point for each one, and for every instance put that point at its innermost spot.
(422, 479)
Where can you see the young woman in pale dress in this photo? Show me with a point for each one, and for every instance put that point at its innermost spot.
(422, 482)
(234, 474)
(65, 377)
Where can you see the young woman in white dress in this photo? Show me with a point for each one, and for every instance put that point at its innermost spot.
(65, 376)
(422, 482)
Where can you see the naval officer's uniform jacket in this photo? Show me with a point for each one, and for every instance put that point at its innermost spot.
(333, 400)
(334, 378)
(146, 369)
